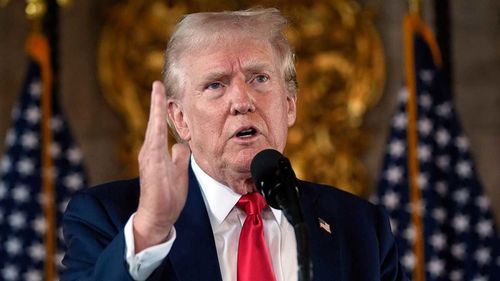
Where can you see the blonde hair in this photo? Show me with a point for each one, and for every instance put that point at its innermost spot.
(200, 29)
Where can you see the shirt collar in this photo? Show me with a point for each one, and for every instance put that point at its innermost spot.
(219, 198)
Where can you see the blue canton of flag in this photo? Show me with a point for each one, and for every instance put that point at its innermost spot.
(460, 240)
(22, 220)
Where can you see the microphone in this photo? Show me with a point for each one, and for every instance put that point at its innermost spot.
(274, 178)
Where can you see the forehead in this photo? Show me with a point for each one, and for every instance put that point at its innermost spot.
(226, 53)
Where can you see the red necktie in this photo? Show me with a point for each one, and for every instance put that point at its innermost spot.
(254, 262)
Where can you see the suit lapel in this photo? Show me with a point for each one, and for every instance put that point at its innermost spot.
(193, 255)
(324, 246)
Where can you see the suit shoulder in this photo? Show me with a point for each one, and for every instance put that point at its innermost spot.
(338, 199)
(118, 199)
(113, 189)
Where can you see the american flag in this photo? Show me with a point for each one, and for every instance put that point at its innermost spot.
(460, 241)
(22, 220)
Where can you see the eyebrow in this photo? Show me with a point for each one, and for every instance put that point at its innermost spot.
(249, 68)
(253, 67)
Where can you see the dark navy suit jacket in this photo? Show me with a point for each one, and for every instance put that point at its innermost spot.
(359, 247)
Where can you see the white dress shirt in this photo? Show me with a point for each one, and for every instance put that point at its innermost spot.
(226, 221)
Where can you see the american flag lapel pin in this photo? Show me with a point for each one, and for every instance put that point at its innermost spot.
(324, 225)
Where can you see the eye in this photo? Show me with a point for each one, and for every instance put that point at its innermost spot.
(261, 78)
(214, 86)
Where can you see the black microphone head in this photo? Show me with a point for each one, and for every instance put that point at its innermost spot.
(264, 165)
(267, 174)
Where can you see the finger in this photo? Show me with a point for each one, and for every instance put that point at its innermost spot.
(158, 134)
(152, 107)
(180, 155)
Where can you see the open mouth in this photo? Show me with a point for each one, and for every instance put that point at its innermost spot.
(246, 133)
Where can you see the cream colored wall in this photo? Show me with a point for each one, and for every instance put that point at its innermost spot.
(476, 43)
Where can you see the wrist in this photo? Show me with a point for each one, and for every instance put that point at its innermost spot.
(148, 232)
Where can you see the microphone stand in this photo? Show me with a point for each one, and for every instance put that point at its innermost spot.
(287, 200)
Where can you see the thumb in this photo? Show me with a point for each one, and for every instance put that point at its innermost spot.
(180, 154)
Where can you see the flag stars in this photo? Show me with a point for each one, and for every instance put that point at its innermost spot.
(436, 267)
(396, 148)
(458, 251)
(439, 214)
(13, 246)
(483, 203)
(425, 100)
(56, 124)
(456, 275)
(73, 181)
(39, 225)
(444, 109)
(409, 233)
(442, 188)
(35, 89)
(443, 162)
(426, 75)
(462, 143)
(17, 220)
(484, 228)
(461, 223)
(29, 140)
(463, 169)
(394, 174)
(37, 251)
(11, 138)
(482, 256)
(5, 164)
(416, 207)
(399, 121)
(55, 150)
(424, 153)
(403, 95)
(425, 126)
(461, 196)
(33, 275)
(25, 167)
(10, 272)
(74, 155)
(423, 180)
(32, 114)
(391, 200)
(20, 193)
(438, 241)
(408, 261)
(442, 137)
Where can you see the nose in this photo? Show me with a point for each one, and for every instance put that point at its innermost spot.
(242, 101)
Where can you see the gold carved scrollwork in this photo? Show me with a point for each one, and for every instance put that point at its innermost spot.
(340, 65)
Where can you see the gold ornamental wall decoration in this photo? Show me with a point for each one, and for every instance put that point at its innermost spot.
(340, 66)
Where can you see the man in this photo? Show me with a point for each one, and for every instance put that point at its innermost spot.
(230, 93)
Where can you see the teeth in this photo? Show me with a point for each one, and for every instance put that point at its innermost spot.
(245, 133)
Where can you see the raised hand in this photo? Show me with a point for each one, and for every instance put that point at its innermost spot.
(163, 177)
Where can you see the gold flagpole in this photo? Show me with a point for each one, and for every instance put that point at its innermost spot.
(411, 23)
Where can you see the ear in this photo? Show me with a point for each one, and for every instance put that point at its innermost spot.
(291, 109)
(176, 116)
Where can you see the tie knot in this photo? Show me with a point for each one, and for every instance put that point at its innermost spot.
(252, 203)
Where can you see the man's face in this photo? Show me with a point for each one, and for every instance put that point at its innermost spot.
(234, 104)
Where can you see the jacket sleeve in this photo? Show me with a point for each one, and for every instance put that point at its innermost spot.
(95, 243)
(390, 267)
